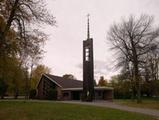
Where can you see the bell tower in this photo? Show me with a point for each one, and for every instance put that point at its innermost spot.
(88, 67)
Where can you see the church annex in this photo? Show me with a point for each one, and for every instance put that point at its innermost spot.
(68, 89)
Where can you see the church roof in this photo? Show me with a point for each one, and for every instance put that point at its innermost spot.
(69, 84)
(64, 83)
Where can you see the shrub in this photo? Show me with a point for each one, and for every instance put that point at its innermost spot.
(52, 94)
(32, 94)
(3, 88)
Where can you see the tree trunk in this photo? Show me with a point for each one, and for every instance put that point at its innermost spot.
(138, 82)
(26, 85)
(133, 92)
(7, 27)
(136, 69)
(16, 92)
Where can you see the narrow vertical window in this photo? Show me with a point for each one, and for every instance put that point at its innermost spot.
(87, 54)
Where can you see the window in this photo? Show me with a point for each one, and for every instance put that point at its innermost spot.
(87, 54)
(65, 94)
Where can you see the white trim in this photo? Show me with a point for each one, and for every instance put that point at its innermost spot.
(72, 89)
(95, 88)
(100, 88)
(52, 80)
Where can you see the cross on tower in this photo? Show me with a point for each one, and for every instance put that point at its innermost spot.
(88, 34)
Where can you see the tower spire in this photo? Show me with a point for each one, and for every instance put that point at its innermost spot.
(88, 34)
(88, 67)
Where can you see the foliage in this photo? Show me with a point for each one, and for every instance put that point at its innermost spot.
(150, 88)
(37, 73)
(52, 94)
(102, 81)
(32, 94)
(69, 76)
(122, 87)
(13, 76)
(20, 44)
(18, 16)
(38, 110)
(3, 88)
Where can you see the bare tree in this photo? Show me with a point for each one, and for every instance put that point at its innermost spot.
(133, 38)
(19, 15)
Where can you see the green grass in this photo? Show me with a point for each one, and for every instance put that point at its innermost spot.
(146, 103)
(37, 110)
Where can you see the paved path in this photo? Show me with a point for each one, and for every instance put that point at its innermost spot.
(151, 112)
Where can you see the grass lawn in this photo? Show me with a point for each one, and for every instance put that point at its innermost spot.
(146, 103)
(37, 110)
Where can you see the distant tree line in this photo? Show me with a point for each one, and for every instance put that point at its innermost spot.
(21, 43)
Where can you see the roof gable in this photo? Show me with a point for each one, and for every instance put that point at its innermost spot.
(64, 83)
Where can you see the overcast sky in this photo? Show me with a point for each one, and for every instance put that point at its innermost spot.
(64, 47)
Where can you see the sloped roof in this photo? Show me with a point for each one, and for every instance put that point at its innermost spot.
(65, 83)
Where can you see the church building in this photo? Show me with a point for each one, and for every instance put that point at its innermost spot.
(68, 89)
(59, 88)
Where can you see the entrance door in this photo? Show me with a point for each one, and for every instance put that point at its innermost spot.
(75, 95)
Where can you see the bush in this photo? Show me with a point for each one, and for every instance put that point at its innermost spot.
(32, 94)
(52, 94)
(3, 88)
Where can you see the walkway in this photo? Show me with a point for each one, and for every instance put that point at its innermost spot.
(151, 112)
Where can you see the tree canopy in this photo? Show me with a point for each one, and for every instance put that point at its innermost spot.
(21, 40)
(102, 81)
(69, 76)
(37, 72)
